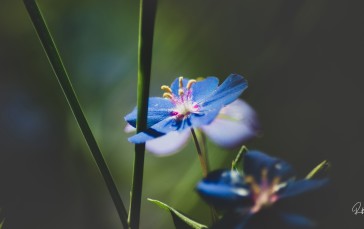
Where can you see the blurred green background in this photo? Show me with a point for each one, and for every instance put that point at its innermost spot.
(303, 60)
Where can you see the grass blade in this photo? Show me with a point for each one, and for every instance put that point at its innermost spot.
(63, 79)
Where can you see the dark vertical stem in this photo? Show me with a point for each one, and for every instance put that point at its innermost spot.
(63, 79)
(201, 138)
(200, 143)
(201, 155)
(146, 30)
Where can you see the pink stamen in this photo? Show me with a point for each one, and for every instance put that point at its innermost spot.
(264, 192)
(273, 198)
(184, 105)
(174, 113)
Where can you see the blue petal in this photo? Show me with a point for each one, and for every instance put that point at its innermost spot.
(159, 129)
(255, 162)
(237, 117)
(225, 189)
(172, 124)
(168, 144)
(295, 220)
(132, 117)
(175, 85)
(294, 188)
(147, 135)
(202, 89)
(227, 92)
(203, 118)
(158, 109)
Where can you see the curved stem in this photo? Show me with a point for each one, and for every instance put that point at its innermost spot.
(200, 143)
(63, 79)
(239, 157)
(201, 155)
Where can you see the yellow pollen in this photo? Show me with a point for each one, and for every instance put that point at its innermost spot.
(167, 95)
(189, 84)
(166, 89)
(180, 91)
(275, 184)
(255, 187)
(265, 175)
(276, 180)
(180, 80)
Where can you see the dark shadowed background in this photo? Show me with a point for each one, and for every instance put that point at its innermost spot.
(303, 60)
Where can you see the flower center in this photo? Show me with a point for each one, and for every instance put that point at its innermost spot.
(264, 193)
(184, 105)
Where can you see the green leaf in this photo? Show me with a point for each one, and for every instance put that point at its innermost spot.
(180, 220)
(2, 223)
(319, 169)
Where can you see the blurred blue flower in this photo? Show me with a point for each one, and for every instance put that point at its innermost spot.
(265, 181)
(198, 104)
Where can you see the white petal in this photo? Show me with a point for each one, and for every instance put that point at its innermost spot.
(168, 144)
(235, 124)
(129, 128)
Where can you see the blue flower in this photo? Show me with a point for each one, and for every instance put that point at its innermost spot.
(265, 181)
(237, 117)
(188, 104)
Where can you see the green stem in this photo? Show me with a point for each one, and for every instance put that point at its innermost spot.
(63, 79)
(201, 156)
(200, 143)
(201, 138)
(146, 29)
(238, 158)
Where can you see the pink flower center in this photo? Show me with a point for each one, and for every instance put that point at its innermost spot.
(265, 193)
(184, 105)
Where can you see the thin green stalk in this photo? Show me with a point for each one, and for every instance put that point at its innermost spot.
(238, 158)
(146, 29)
(319, 169)
(201, 156)
(200, 143)
(63, 79)
(201, 138)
